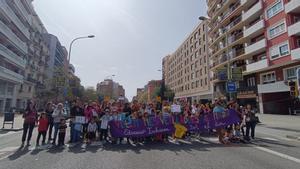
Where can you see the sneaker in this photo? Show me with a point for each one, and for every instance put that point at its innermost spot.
(28, 144)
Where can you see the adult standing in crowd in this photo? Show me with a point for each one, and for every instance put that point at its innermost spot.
(76, 110)
(58, 115)
(49, 112)
(217, 112)
(250, 121)
(30, 118)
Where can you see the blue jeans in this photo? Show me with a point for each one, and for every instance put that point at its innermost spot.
(75, 134)
(56, 126)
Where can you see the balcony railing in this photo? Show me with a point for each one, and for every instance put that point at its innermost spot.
(23, 10)
(294, 29)
(12, 76)
(295, 54)
(12, 37)
(253, 11)
(234, 38)
(255, 28)
(231, 10)
(4, 6)
(293, 6)
(12, 56)
(256, 47)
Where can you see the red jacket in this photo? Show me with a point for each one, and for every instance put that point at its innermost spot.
(43, 124)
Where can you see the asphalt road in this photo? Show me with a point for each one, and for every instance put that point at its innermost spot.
(266, 152)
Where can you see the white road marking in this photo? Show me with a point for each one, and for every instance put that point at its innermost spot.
(278, 154)
(280, 138)
(269, 138)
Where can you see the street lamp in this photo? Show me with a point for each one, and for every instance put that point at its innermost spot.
(83, 37)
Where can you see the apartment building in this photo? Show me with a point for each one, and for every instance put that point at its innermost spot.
(38, 54)
(57, 63)
(186, 71)
(260, 38)
(111, 89)
(14, 35)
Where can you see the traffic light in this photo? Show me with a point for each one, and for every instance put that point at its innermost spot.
(293, 89)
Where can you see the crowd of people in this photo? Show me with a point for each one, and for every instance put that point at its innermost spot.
(55, 120)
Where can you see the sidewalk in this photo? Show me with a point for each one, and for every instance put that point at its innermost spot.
(18, 123)
(281, 125)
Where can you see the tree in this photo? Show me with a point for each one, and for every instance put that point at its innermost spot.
(89, 94)
(143, 98)
(169, 94)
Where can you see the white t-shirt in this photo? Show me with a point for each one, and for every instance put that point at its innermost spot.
(104, 121)
(92, 127)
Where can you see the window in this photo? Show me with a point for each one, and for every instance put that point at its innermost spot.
(10, 90)
(268, 78)
(279, 50)
(284, 49)
(277, 30)
(251, 81)
(274, 9)
(2, 88)
(290, 73)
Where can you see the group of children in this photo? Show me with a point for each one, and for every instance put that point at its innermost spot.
(96, 126)
(43, 124)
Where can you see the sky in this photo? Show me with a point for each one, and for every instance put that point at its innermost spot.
(132, 36)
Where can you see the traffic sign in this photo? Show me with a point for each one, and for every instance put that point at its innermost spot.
(231, 87)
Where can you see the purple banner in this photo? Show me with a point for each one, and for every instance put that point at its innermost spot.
(138, 128)
(156, 125)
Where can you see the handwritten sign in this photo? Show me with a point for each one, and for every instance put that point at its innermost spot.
(80, 119)
(175, 108)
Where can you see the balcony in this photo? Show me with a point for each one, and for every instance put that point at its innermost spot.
(234, 38)
(293, 6)
(10, 75)
(230, 10)
(256, 48)
(256, 66)
(23, 10)
(32, 80)
(273, 87)
(12, 57)
(253, 12)
(295, 54)
(294, 29)
(255, 29)
(4, 8)
(13, 38)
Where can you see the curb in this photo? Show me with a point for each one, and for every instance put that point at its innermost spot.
(13, 129)
(293, 137)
